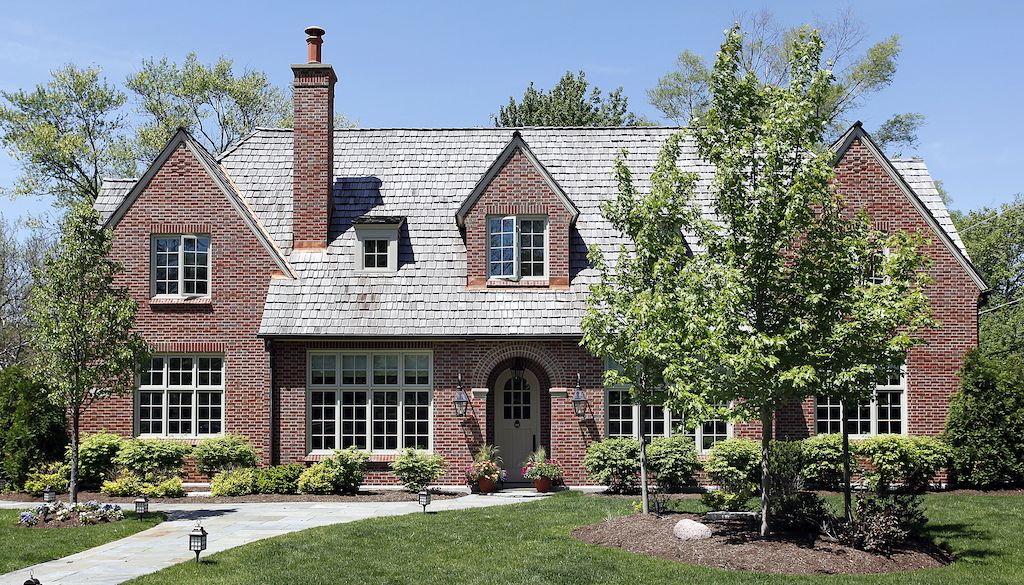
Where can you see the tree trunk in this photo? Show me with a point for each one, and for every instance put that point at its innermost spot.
(847, 498)
(766, 441)
(645, 500)
(73, 484)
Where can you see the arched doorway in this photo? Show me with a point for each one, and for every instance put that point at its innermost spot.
(517, 417)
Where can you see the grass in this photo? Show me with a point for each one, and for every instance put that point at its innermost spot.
(24, 547)
(531, 543)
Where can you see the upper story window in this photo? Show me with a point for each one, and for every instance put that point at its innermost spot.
(377, 243)
(181, 265)
(517, 247)
(181, 396)
(883, 413)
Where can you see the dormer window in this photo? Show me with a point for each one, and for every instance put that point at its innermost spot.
(181, 265)
(377, 243)
(517, 247)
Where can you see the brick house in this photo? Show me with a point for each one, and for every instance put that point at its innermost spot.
(320, 288)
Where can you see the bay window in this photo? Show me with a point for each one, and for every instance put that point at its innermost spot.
(181, 396)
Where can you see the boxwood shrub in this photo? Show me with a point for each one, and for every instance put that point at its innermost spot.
(673, 462)
(417, 469)
(279, 479)
(615, 463)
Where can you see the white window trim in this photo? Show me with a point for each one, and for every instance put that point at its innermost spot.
(181, 294)
(195, 389)
(517, 247)
(904, 408)
(377, 232)
(369, 388)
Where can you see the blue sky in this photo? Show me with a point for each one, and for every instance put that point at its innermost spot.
(431, 64)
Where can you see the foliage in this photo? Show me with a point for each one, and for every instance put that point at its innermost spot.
(734, 458)
(214, 103)
(823, 461)
(54, 474)
(342, 473)
(685, 92)
(20, 254)
(901, 461)
(125, 485)
(279, 479)
(567, 104)
(31, 430)
(169, 488)
(485, 469)
(234, 482)
(986, 422)
(488, 452)
(96, 456)
(538, 466)
(733, 499)
(152, 459)
(223, 454)
(673, 461)
(417, 469)
(882, 523)
(615, 463)
(67, 135)
(803, 512)
(785, 463)
(85, 344)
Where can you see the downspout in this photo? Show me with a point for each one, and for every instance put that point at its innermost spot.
(275, 456)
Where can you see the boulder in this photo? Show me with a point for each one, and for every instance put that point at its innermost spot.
(691, 530)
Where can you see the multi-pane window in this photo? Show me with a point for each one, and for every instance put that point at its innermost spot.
(517, 399)
(624, 420)
(375, 254)
(619, 413)
(883, 414)
(516, 247)
(181, 395)
(369, 400)
(181, 265)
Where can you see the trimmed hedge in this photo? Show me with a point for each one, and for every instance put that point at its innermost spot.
(905, 462)
(279, 479)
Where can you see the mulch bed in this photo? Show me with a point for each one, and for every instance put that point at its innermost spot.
(739, 547)
(377, 496)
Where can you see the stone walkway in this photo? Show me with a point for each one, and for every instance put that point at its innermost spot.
(229, 525)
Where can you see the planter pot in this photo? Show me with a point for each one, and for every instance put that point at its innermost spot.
(487, 486)
(543, 485)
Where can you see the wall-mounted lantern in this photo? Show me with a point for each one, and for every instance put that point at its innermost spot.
(518, 368)
(461, 399)
(580, 404)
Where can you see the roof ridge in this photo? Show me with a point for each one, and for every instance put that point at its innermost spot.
(477, 128)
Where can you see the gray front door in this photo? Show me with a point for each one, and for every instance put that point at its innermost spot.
(517, 420)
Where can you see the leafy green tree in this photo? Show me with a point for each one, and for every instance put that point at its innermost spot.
(18, 257)
(567, 104)
(85, 347)
(684, 92)
(32, 431)
(214, 103)
(66, 135)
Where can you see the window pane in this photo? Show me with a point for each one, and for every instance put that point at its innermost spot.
(166, 265)
(385, 420)
(829, 416)
(713, 431)
(417, 420)
(375, 253)
(531, 248)
(620, 413)
(211, 371)
(210, 413)
(353, 419)
(155, 375)
(517, 397)
(654, 421)
(860, 419)
(353, 370)
(417, 369)
(385, 368)
(323, 369)
(179, 371)
(890, 412)
(501, 237)
(323, 420)
(179, 413)
(151, 413)
(196, 263)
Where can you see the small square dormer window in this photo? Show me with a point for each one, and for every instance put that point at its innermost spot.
(181, 265)
(517, 247)
(377, 243)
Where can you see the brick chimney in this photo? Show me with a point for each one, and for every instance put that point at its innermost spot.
(313, 146)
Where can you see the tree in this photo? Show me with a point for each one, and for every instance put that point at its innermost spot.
(684, 92)
(899, 130)
(567, 104)
(32, 431)
(83, 339)
(212, 102)
(18, 257)
(66, 135)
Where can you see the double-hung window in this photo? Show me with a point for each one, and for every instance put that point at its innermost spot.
(517, 247)
(885, 412)
(181, 396)
(181, 265)
(378, 401)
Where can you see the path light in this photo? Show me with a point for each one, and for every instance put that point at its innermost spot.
(3, 484)
(197, 540)
(424, 499)
(49, 494)
(142, 505)
(580, 404)
(461, 399)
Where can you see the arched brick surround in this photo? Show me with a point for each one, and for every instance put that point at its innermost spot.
(486, 367)
(543, 398)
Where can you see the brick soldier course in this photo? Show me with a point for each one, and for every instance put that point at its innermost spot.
(290, 213)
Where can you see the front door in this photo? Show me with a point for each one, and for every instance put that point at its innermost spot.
(517, 420)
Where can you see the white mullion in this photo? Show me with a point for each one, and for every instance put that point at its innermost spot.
(516, 241)
(181, 265)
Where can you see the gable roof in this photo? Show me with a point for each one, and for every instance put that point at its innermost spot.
(112, 212)
(516, 143)
(931, 210)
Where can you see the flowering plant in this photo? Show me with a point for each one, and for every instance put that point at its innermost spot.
(485, 469)
(538, 466)
(90, 512)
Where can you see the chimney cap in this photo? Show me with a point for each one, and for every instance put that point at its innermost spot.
(315, 31)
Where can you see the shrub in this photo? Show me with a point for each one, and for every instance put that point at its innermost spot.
(673, 462)
(234, 482)
(32, 430)
(785, 462)
(56, 475)
(343, 473)
(96, 453)
(417, 469)
(538, 466)
(124, 485)
(803, 512)
(986, 422)
(152, 459)
(731, 501)
(881, 523)
(279, 479)
(614, 462)
(168, 488)
(909, 462)
(734, 465)
(223, 454)
(823, 461)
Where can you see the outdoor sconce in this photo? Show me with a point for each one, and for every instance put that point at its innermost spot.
(142, 505)
(461, 399)
(49, 494)
(197, 540)
(518, 368)
(580, 404)
(424, 499)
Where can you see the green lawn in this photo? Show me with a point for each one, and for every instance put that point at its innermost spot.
(23, 547)
(531, 543)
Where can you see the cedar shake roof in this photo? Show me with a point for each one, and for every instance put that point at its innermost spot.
(425, 176)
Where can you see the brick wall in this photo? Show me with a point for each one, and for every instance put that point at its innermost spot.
(182, 198)
(313, 152)
(518, 189)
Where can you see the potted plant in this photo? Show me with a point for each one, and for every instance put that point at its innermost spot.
(542, 471)
(485, 472)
